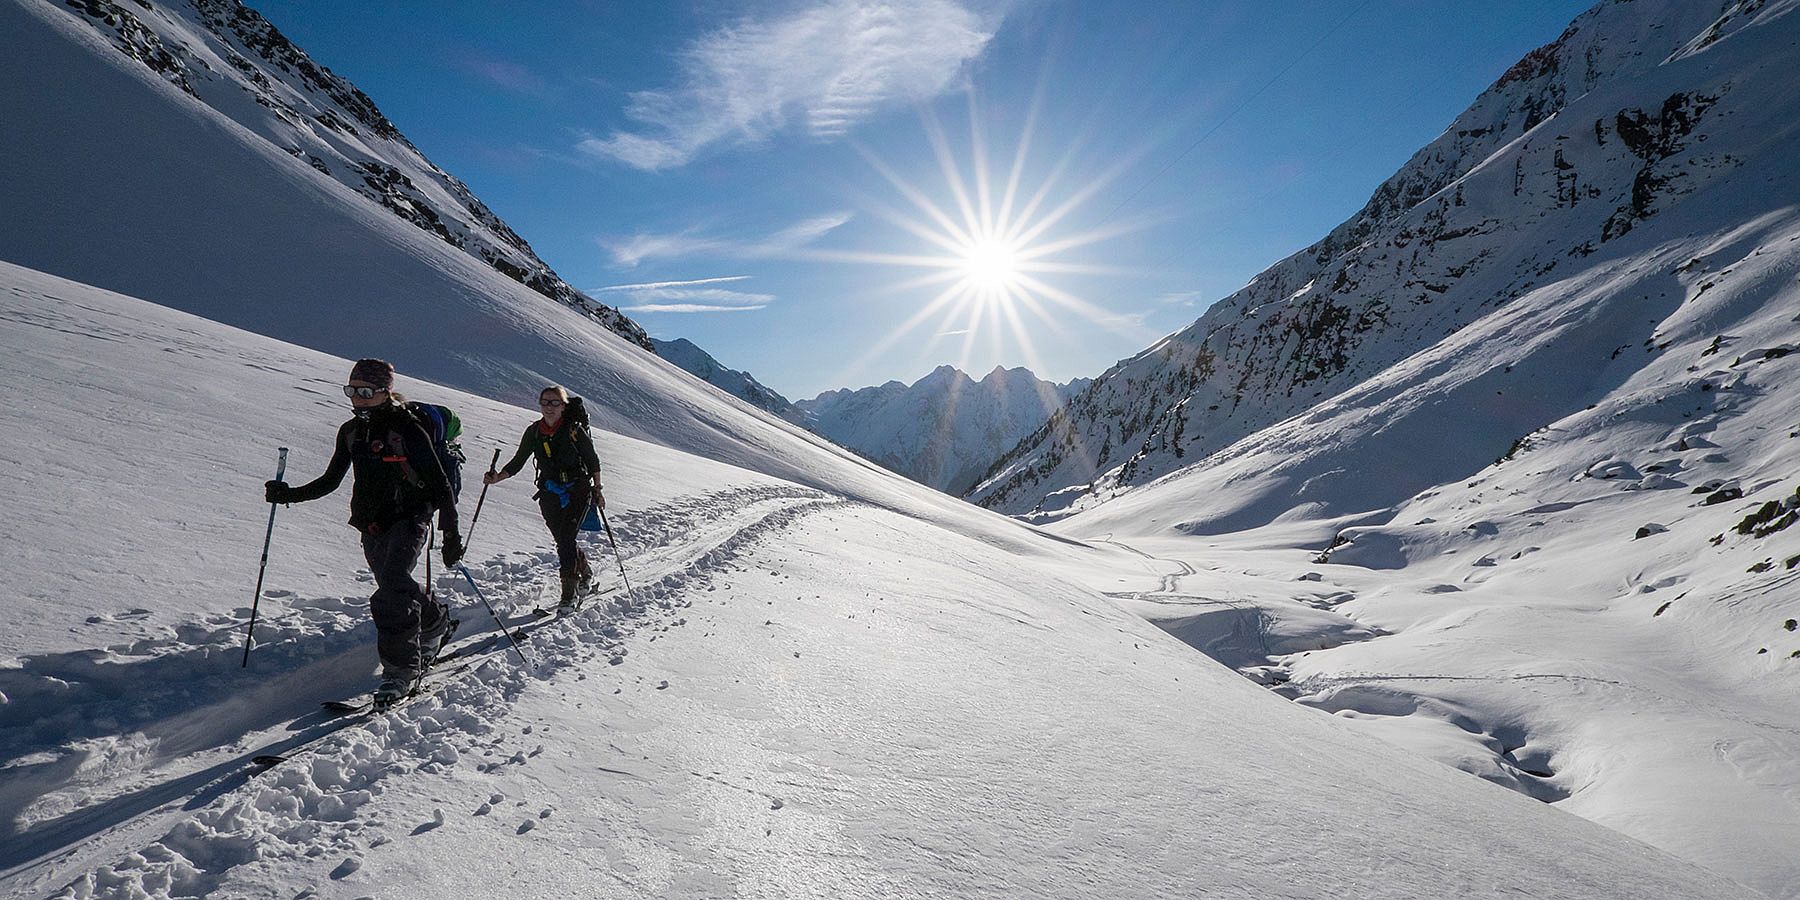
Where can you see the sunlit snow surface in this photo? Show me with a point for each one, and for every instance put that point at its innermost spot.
(1605, 618)
(809, 695)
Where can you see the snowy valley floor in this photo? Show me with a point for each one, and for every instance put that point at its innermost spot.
(1621, 709)
(815, 698)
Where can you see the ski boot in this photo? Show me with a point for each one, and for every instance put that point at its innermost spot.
(443, 641)
(393, 689)
(572, 593)
(584, 574)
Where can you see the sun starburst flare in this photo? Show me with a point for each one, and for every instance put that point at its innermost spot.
(993, 248)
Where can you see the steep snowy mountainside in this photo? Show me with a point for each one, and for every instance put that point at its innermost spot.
(1602, 613)
(807, 696)
(1595, 136)
(123, 182)
(742, 385)
(225, 55)
(942, 430)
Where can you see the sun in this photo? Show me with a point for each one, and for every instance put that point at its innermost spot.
(991, 263)
(990, 248)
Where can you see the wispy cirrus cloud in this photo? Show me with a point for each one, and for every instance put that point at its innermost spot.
(831, 66)
(687, 296)
(503, 74)
(1179, 298)
(629, 251)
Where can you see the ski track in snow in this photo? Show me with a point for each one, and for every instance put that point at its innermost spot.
(92, 763)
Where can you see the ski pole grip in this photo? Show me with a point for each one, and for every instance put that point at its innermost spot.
(281, 465)
(495, 462)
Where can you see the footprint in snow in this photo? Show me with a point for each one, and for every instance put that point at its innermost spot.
(527, 825)
(346, 868)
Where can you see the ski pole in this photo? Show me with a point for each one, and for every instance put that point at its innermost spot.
(480, 500)
(616, 555)
(490, 608)
(256, 599)
(430, 544)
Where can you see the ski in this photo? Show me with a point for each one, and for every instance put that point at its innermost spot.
(581, 600)
(352, 713)
(360, 708)
(366, 701)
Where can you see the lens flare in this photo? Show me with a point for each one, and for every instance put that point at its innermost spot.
(989, 246)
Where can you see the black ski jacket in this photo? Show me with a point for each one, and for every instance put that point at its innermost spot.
(398, 475)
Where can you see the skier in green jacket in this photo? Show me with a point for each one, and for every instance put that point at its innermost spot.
(568, 481)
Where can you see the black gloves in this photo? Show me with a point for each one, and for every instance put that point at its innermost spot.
(277, 491)
(453, 547)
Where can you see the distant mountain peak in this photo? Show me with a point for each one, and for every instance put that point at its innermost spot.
(942, 430)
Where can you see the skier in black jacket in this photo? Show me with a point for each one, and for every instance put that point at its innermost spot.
(568, 480)
(398, 483)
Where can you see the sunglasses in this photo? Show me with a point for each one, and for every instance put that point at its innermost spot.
(551, 402)
(363, 393)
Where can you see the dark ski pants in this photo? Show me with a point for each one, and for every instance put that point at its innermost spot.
(565, 523)
(407, 622)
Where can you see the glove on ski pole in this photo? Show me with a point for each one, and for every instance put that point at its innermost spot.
(256, 600)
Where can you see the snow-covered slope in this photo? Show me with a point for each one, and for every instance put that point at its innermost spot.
(808, 696)
(943, 430)
(227, 56)
(1604, 617)
(742, 385)
(1554, 548)
(1639, 110)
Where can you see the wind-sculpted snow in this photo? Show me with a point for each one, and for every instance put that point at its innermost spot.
(1605, 133)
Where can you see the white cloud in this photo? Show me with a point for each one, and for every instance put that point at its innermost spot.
(686, 308)
(632, 250)
(508, 75)
(687, 296)
(639, 247)
(800, 234)
(654, 285)
(830, 66)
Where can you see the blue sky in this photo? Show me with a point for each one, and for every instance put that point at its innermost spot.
(769, 179)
